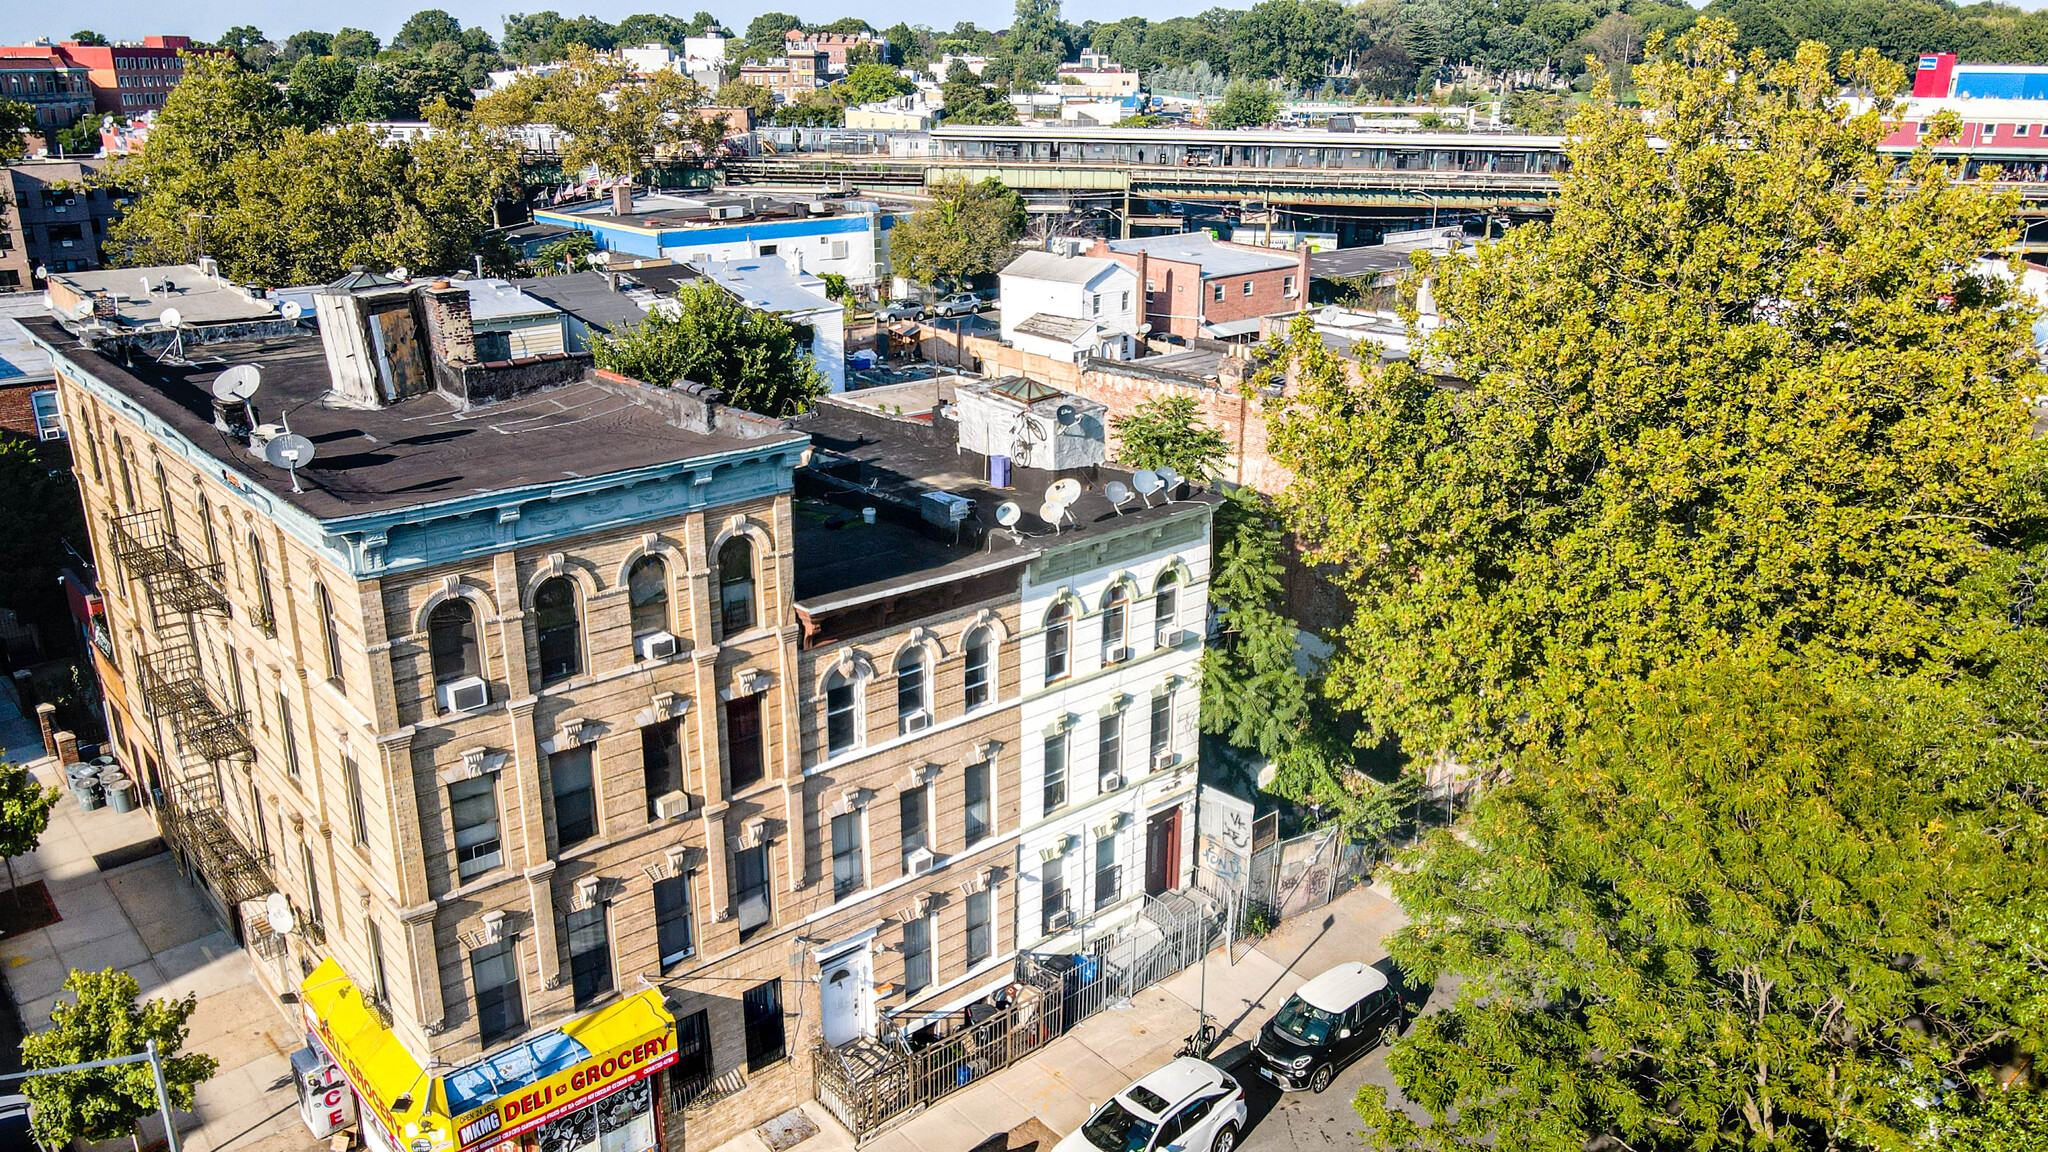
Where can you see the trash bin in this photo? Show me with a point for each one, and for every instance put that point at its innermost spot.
(89, 794)
(121, 796)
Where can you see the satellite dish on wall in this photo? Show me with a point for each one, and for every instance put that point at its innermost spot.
(291, 452)
(1007, 514)
(278, 911)
(237, 383)
(1146, 482)
(1119, 495)
(290, 310)
(1066, 414)
(172, 318)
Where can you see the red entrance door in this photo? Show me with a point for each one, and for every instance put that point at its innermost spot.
(1162, 852)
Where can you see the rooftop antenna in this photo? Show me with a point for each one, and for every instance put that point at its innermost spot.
(1007, 514)
(1119, 495)
(290, 452)
(175, 321)
(1168, 480)
(1146, 481)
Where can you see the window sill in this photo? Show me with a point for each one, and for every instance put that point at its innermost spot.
(583, 848)
(475, 884)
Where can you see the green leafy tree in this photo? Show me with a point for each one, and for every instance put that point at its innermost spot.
(89, 38)
(24, 815)
(1748, 387)
(39, 503)
(867, 83)
(1246, 105)
(1540, 112)
(615, 121)
(355, 44)
(569, 254)
(301, 45)
(969, 101)
(765, 35)
(1739, 907)
(823, 108)
(704, 335)
(426, 28)
(1168, 432)
(755, 98)
(965, 230)
(105, 1022)
(319, 85)
(1254, 693)
(16, 121)
(545, 37)
(249, 45)
(372, 95)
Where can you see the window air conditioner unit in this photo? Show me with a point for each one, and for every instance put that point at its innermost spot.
(917, 721)
(1118, 653)
(1112, 782)
(1162, 761)
(1060, 921)
(1170, 637)
(67, 243)
(919, 862)
(656, 646)
(465, 695)
(671, 805)
(56, 433)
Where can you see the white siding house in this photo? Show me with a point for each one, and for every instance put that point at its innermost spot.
(1066, 307)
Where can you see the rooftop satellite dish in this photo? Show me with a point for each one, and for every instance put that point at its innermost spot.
(1169, 480)
(1146, 482)
(400, 274)
(290, 452)
(81, 310)
(237, 383)
(1064, 491)
(290, 310)
(1007, 514)
(1119, 495)
(172, 318)
(278, 911)
(1051, 513)
(1066, 414)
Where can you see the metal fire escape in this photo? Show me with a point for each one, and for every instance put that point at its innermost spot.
(174, 689)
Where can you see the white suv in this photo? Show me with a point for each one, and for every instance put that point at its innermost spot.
(1189, 1105)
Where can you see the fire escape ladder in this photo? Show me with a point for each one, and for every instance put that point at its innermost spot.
(177, 584)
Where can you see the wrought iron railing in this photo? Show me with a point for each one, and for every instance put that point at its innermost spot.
(177, 585)
(174, 687)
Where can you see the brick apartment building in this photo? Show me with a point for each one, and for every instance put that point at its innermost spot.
(789, 76)
(706, 738)
(130, 77)
(55, 220)
(835, 45)
(1196, 285)
(39, 76)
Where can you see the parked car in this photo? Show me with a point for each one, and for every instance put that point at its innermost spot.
(1189, 1105)
(988, 296)
(1328, 1022)
(900, 310)
(958, 304)
(15, 1133)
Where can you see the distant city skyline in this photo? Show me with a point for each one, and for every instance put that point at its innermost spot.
(207, 19)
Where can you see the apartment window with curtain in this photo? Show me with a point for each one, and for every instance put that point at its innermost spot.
(914, 813)
(590, 953)
(452, 641)
(673, 938)
(917, 955)
(745, 758)
(494, 968)
(848, 872)
(1055, 788)
(977, 812)
(977, 670)
(473, 808)
(575, 793)
(980, 927)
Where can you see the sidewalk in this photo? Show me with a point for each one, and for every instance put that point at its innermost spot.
(145, 917)
(1059, 1084)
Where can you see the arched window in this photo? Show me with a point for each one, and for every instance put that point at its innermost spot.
(1115, 644)
(212, 537)
(163, 501)
(1166, 607)
(554, 619)
(980, 670)
(266, 608)
(736, 586)
(452, 641)
(1059, 625)
(910, 705)
(647, 591)
(127, 475)
(842, 714)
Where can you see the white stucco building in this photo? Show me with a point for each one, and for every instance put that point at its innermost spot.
(1066, 307)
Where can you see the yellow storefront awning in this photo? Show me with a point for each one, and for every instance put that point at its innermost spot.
(495, 1097)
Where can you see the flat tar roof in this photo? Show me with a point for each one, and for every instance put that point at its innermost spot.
(419, 451)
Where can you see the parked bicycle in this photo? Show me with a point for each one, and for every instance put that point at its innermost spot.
(1204, 1038)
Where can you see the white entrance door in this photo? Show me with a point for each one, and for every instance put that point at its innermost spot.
(846, 989)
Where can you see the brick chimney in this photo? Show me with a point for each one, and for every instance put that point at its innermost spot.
(448, 325)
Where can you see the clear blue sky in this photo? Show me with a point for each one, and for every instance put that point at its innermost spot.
(24, 20)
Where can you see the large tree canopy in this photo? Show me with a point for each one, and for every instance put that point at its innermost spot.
(704, 335)
(966, 230)
(1748, 389)
(614, 119)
